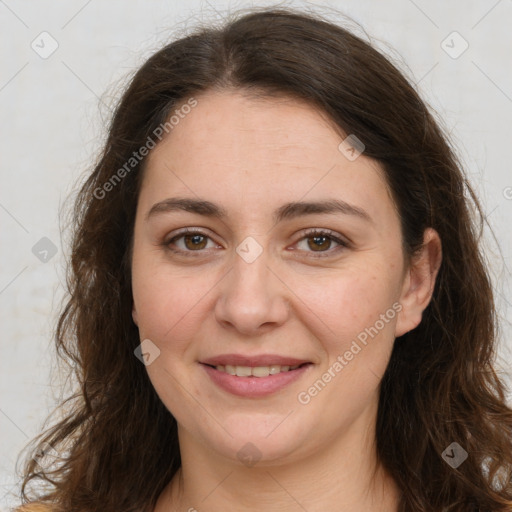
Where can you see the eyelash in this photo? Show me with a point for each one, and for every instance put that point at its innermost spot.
(310, 233)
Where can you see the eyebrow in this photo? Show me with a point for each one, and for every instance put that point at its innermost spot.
(284, 212)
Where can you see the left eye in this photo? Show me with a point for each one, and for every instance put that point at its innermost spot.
(321, 241)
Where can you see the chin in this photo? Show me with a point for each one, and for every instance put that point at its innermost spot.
(269, 440)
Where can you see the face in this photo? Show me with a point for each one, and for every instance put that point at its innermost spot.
(262, 282)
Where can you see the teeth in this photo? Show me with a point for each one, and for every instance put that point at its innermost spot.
(255, 371)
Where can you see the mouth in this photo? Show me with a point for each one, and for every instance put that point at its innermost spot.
(256, 371)
(256, 376)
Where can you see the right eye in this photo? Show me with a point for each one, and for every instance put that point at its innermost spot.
(188, 240)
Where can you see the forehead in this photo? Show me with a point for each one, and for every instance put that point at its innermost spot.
(259, 151)
(232, 124)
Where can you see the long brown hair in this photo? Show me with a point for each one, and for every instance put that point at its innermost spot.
(117, 441)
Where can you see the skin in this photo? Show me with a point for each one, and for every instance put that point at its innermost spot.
(251, 156)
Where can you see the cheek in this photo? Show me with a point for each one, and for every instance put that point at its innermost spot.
(169, 305)
(349, 302)
(358, 313)
(169, 302)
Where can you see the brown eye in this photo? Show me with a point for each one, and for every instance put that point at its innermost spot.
(189, 241)
(319, 242)
(194, 242)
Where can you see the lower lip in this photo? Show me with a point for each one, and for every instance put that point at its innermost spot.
(252, 387)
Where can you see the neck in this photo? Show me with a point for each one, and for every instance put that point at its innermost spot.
(343, 475)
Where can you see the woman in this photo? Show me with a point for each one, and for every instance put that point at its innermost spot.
(277, 298)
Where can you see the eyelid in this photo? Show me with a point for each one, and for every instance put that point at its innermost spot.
(325, 231)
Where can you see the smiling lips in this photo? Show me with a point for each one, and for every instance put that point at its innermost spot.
(255, 371)
(253, 361)
(254, 366)
(254, 376)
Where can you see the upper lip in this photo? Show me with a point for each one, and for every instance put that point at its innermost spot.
(257, 360)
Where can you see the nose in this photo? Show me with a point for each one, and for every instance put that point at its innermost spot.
(252, 298)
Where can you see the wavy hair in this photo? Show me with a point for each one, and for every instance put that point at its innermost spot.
(116, 440)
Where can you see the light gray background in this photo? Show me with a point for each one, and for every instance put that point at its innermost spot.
(51, 126)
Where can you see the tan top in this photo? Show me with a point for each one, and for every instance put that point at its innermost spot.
(34, 507)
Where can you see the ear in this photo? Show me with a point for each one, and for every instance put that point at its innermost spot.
(419, 282)
(134, 315)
